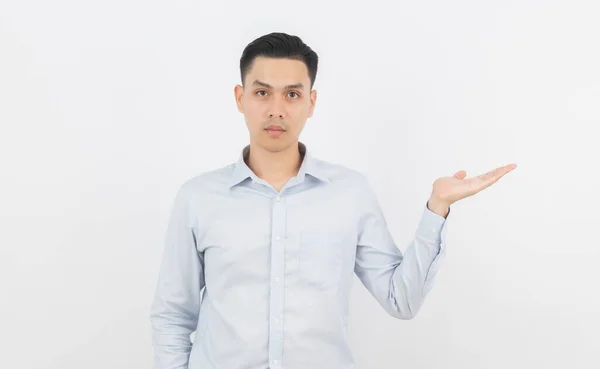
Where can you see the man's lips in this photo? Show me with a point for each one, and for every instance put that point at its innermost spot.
(274, 128)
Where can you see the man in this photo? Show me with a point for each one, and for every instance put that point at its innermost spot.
(260, 255)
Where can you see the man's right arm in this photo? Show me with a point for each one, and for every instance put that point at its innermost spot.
(176, 303)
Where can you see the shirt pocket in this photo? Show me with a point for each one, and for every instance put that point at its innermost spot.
(320, 258)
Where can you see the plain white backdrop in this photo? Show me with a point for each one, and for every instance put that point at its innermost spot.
(107, 107)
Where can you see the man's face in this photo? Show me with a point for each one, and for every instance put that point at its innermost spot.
(276, 93)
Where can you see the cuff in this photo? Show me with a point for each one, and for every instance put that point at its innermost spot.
(431, 225)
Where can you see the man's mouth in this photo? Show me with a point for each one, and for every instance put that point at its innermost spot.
(274, 128)
(274, 131)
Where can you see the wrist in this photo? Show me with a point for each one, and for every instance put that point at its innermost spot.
(438, 206)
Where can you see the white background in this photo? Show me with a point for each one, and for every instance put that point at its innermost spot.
(107, 107)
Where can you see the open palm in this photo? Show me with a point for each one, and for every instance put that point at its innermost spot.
(457, 187)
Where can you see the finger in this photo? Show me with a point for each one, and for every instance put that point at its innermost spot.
(461, 174)
(494, 175)
(481, 182)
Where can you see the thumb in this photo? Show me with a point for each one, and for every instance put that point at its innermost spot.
(461, 174)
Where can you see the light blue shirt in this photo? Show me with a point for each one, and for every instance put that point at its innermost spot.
(261, 279)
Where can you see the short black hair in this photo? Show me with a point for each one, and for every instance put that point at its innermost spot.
(279, 45)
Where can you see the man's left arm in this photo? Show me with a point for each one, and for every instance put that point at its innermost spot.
(400, 282)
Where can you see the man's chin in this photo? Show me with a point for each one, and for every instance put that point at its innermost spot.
(271, 145)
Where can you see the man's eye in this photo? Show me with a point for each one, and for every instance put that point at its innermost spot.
(292, 94)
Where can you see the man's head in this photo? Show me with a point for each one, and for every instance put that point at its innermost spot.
(278, 72)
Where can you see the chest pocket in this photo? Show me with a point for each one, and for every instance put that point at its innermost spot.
(324, 242)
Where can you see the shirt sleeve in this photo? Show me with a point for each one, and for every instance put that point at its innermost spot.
(176, 303)
(399, 282)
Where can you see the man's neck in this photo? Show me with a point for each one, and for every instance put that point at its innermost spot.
(275, 167)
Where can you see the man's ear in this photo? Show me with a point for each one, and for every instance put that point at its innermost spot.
(238, 92)
(313, 102)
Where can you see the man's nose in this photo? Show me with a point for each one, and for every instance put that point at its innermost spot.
(276, 109)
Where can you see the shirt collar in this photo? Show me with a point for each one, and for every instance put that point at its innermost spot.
(309, 166)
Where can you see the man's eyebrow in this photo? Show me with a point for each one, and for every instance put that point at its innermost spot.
(288, 87)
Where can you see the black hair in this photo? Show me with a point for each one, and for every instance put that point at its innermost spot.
(279, 45)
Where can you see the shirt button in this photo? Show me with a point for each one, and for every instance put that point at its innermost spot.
(276, 320)
(277, 279)
(277, 238)
(275, 362)
(277, 198)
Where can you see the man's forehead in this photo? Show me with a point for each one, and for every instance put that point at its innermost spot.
(278, 73)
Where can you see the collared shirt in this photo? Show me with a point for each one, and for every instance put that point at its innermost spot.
(261, 278)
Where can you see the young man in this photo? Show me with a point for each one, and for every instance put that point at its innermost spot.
(260, 255)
